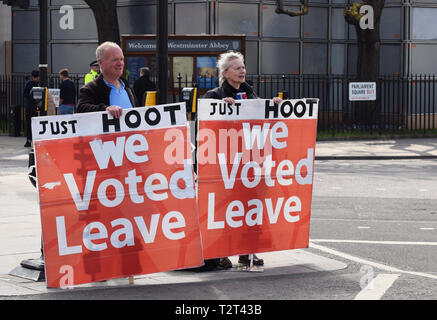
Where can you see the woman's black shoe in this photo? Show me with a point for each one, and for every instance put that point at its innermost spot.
(246, 261)
(225, 263)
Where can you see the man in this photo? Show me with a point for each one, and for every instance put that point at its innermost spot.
(94, 72)
(67, 97)
(109, 92)
(142, 85)
(30, 105)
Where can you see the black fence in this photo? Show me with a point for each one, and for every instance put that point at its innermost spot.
(402, 103)
(12, 99)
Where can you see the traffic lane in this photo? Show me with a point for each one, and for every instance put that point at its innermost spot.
(407, 287)
(408, 284)
(402, 244)
(407, 242)
(371, 208)
(384, 178)
(393, 167)
(400, 189)
(389, 180)
(363, 203)
(374, 230)
(414, 260)
(333, 285)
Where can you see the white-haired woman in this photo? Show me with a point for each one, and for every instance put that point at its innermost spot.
(232, 80)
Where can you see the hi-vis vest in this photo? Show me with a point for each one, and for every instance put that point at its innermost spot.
(90, 76)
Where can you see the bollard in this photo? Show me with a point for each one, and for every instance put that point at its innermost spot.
(150, 98)
(283, 95)
(14, 121)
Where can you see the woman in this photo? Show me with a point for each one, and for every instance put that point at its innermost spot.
(232, 80)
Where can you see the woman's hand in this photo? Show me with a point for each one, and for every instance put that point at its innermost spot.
(277, 100)
(229, 100)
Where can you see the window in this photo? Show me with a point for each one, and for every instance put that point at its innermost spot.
(338, 24)
(424, 23)
(25, 25)
(25, 57)
(391, 20)
(251, 59)
(337, 59)
(133, 65)
(314, 58)
(64, 55)
(238, 18)
(390, 59)
(184, 67)
(423, 59)
(280, 25)
(138, 19)
(206, 72)
(84, 26)
(315, 24)
(187, 25)
(280, 57)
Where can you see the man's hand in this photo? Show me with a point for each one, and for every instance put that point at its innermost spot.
(115, 111)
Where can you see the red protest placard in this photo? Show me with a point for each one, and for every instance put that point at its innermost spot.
(255, 175)
(115, 198)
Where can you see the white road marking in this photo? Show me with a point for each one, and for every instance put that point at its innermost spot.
(373, 220)
(221, 295)
(414, 243)
(377, 287)
(363, 227)
(426, 228)
(368, 262)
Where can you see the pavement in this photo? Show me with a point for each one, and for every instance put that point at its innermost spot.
(418, 148)
(20, 229)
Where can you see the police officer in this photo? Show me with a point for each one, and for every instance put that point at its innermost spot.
(94, 72)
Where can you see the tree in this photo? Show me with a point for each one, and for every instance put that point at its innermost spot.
(105, 14)
(367, 34)
(367, 28)
(369, 45)
(369, 42)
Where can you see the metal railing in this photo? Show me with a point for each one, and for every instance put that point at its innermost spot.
(11, 95)
(402, 104)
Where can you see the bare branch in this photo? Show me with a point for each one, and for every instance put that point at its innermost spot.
(280, 9)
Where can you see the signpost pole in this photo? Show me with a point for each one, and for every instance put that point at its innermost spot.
(43, 40)
(34, 268)
(162, 50)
